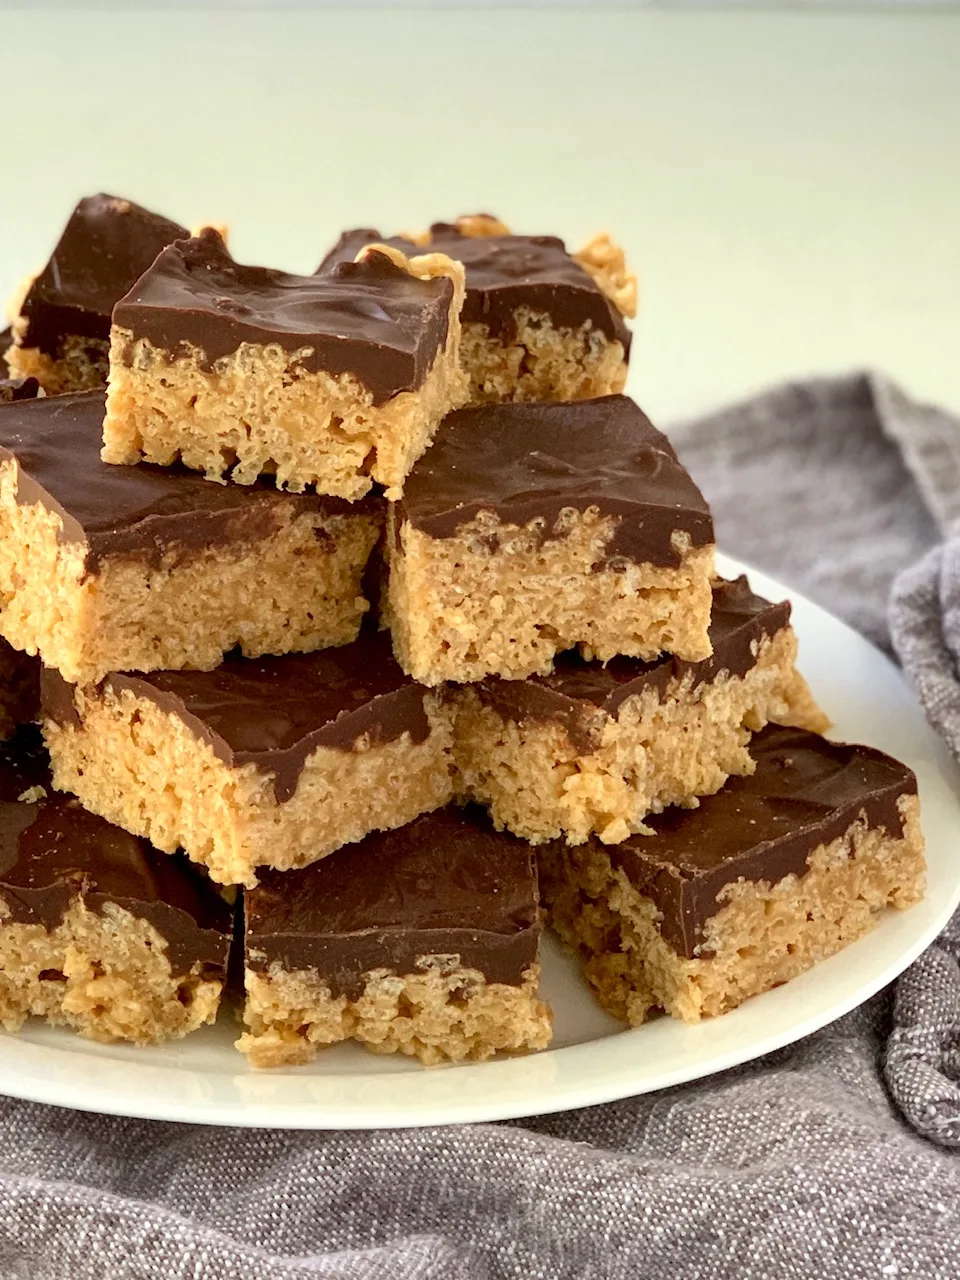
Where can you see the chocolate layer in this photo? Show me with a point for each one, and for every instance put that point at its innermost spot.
(19, 689)
(155, 514)
(52, 851)
(106, 246)
(18, 389)
(503, 274)
(369, 319)
(581, 695)
(447, 884)
(274, 712)
(805, 792)
(525, 462)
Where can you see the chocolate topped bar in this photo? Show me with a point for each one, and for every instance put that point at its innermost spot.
(106, 246)
(805, 792)
(52, 851)
(150, 512)
(575, 690)
(18, 389)
(446, 884)
(505, 273)
(370, 319)
(527, 462)
(274, 712)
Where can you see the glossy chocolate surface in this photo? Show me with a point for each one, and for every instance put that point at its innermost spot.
(53, 851)
(369, 319)
(446, 884)
(805, 792)
(274, 712)
(156, 514)
(106, 246)
(505, 273)
(18, 389)
(525, 462)
(581, 695)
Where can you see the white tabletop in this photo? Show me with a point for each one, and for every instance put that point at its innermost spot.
(787, 183)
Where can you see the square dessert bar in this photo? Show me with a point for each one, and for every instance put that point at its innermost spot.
(766, 878)
(539, 323)
(594, 747)
(61, 330)
(333, 381)
(530, 529)
(421, 941)
(113, 568)
(98, 932)
(269, 762)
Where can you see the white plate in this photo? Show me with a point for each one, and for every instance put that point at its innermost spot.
(593, 1059)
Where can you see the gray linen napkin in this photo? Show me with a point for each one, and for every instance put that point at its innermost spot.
(849, 489)
(802, 1165)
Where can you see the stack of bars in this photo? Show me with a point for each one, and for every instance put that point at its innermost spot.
(357, 623)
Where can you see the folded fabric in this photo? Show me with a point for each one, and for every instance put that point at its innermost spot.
(923, 1053)
(869, 483)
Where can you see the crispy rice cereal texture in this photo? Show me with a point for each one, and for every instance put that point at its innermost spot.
(764, 935)
(540, 361)
(144, 770)
(105, 976)
(292, 591)
(257, 412)
(442, 1014)
(461, 611)
(656, 752)
(605, 262)
(80, 365)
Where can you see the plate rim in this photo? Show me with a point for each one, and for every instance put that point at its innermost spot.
(564, 1061)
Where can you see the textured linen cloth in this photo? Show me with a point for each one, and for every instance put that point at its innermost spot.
(814, 1162)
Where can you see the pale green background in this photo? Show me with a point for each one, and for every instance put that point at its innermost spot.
(787, 182)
